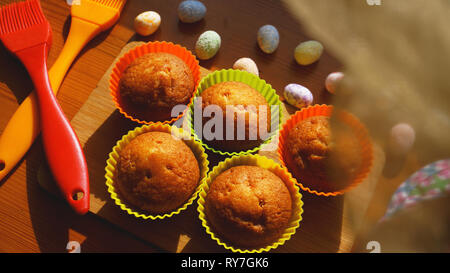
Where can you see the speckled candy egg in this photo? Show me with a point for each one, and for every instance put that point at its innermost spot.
(246, 64)
(207, 45)
(147, 23)
(268, 38)
(401, 138)
(333, 80)
(308, 52)
(191, 11)
(298, 95)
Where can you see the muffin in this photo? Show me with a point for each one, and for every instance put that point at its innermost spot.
(248, 206)
(244, 101)
(325, 158)
(156, 172)
(154, 83)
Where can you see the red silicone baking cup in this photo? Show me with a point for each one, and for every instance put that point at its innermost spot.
(358, 128)
(141, 50)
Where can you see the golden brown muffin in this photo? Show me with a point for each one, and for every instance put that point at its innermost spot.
(154, 83)
(324, 161)
(156, 172)
(248, 206)
(245, 101)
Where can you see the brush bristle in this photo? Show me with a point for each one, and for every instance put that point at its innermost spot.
(115, 4)
(21, 15)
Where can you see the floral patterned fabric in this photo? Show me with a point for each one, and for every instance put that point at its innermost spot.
(430, 182)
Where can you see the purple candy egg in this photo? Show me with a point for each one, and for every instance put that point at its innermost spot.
(298, 95)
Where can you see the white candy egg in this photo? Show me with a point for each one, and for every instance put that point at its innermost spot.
(246, 64)
(147, 23)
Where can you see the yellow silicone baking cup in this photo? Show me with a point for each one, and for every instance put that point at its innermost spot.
(252, 80)
(111, 164)
(266, 163)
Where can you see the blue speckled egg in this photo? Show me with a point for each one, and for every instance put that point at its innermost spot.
(191, 11)
(268, 38)
(298, 95)
(207, 45)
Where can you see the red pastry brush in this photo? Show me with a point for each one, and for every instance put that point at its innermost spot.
(25, 31)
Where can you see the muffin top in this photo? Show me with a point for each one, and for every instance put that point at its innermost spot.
(157, 79)
(310, 140)
(156, 172)
(232, 93)
(245, 102)
(248, 206)
(324, 156)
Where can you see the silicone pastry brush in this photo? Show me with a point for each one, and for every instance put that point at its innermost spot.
(89, 18)
(25, 32)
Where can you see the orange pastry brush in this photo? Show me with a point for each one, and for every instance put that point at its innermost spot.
(89, 18)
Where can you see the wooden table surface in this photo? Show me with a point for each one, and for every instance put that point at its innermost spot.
(34, 221)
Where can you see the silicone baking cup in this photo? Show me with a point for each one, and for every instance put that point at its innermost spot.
(139, 51)
(266, 163)
(252, 80)
(111, 164)
(326, 110)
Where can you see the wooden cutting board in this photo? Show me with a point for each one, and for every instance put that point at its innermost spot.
(329, 224)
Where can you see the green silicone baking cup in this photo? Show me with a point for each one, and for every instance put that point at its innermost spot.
(252, 80)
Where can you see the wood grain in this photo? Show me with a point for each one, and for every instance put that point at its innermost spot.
(34, 221)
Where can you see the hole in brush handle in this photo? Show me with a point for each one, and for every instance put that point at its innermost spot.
(77, 195)
(79, 200)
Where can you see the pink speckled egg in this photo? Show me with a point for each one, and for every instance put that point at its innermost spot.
(333, 81)
(401, 138)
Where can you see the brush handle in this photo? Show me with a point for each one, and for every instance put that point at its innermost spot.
(24, 126)
(81, 32)
(63, 150)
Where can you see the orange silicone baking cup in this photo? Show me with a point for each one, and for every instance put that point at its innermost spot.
(141, 50)
(358, 128)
